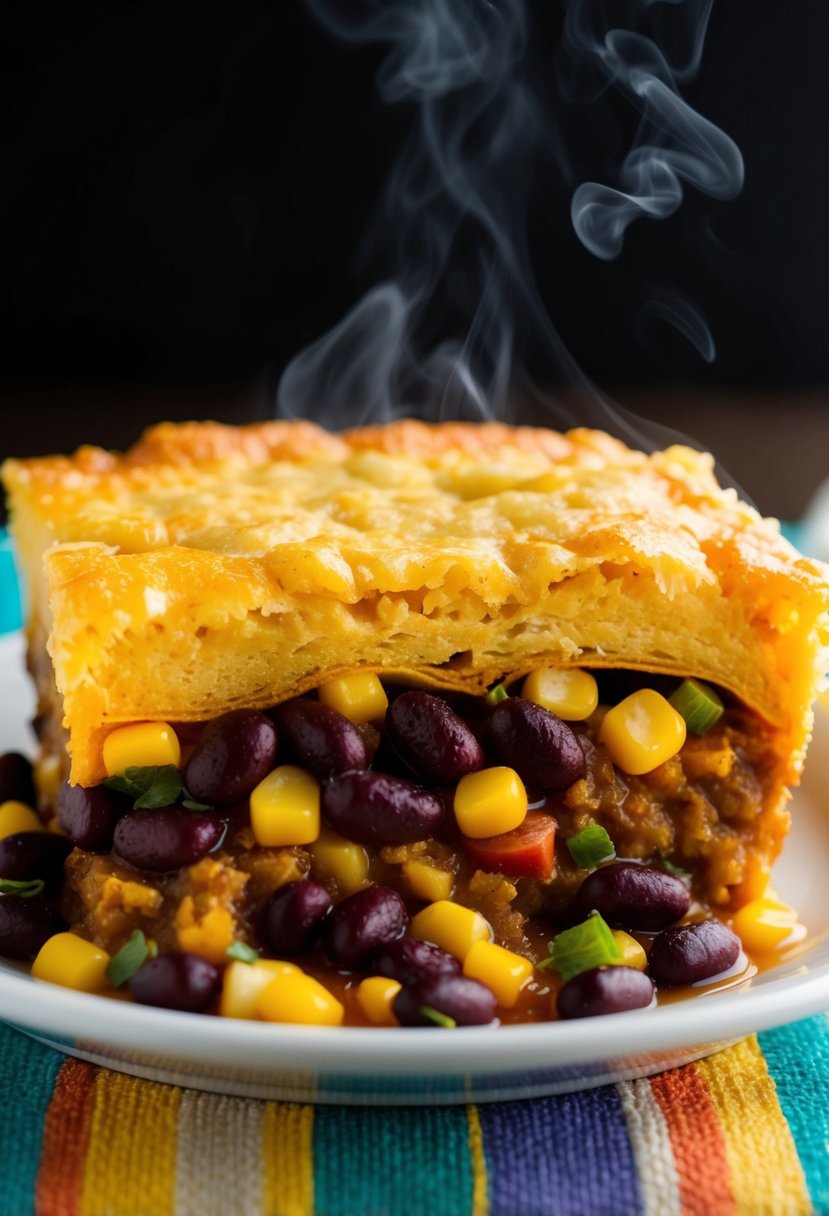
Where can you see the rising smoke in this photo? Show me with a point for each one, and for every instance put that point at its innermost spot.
(445, 335)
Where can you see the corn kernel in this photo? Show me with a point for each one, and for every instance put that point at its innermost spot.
(764, 924)
(73, 962)
(451, 926)
(375, 996)
(299, 998)
(427, 882)
(642, 732)
(18, 817)
(145, 743)
(490, 802)
(360, 697)
(243, 984)
(567, 691)
(340, 860)
(504, 972)
(630, 952)
(285, 807)
(48, 772)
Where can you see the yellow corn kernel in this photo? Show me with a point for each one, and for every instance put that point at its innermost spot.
(208, 935)
(73, 962)
(631, 954)
(299, 998)
(18, 817)
(48, 773)
(360, 697)
(375, 996)
(427, 882)
(451, 926)
(243, 984)
(285, 807)
(504, 972)
(142, 744)
(339, 860)
(571, 693)
(764, 924)
(490, 802)
(642, 732)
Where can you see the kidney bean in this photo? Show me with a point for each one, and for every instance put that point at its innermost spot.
(687, 954)
(542, 749)
(321, 739)
(25, 924)
(410, 960)
(88, 815)
(166, 839)
(361, 925)
(630, 896)
(291, 919)
(231, 758)
(378, 809)
(432, 739)
(16, 779)
(466, 1001)
(604, 990)
(26, 855)
(176, 981)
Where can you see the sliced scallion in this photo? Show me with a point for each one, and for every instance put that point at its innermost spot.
(590, 846)
(123, 965)
(698, 704)
(241, 952)
(25, 887)
(440, 1019)
(496, 694)
(583, 947)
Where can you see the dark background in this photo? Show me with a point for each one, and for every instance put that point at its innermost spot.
(185, 189)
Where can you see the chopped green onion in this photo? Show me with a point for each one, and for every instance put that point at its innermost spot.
(668, 865)
(242, 953)
(23, 887)
(590, 846)
(123, 965)
(496, 694)
(192, 805)
(698, 704)
(440, 1019)
(583, 947)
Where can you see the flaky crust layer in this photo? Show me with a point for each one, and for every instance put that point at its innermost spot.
(213, 566)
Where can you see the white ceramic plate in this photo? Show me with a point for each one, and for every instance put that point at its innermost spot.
(429, 1066)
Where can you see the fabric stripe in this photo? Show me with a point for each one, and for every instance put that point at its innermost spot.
(65, 1141)
(407, 1161)
(219, 1156)
(480, 1181)
(652, 1150)
(766, 1175)
(131, 1162)
(697, 1141)
(541, 1157)
(27, 1078)
(287, 1160)
(798, 1060)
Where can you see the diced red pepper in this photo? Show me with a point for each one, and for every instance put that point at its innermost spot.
(526, 852)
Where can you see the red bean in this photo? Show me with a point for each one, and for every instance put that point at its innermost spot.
(378, 809)
(291, 919)
(25, 924)
(27, 855)
(604, 990)
(361, 925)
(542, 749)
(465, 1001)
(233, 755)
(166, 839)
(16, 779)
(630, 896)
(176, 981)
(432, 739)
(687, 954)
(319, 738)
(410, 960)
(88, 815)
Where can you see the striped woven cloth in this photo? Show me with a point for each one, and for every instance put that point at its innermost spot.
(744, 1133)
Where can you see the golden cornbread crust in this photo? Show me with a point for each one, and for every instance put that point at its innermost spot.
(212, 567)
